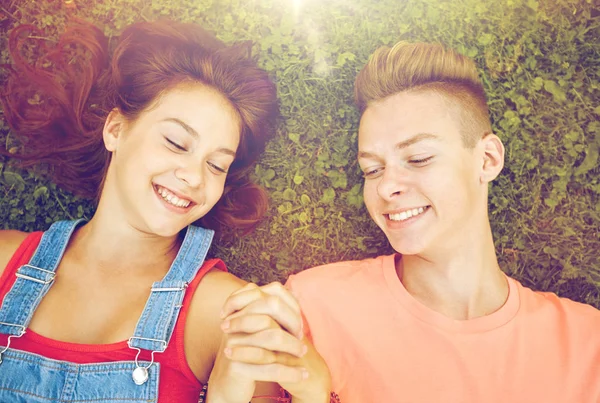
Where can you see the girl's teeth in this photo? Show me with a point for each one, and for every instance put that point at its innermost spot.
(172, 199)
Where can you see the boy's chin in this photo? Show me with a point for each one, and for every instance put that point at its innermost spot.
(407, 248)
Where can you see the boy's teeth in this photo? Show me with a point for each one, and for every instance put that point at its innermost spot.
(405, 215)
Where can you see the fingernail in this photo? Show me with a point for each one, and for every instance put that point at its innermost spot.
(304, 374)
(228, 352)
(225, 325)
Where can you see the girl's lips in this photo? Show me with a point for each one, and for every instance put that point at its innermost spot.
(179, 195)
(171, 207)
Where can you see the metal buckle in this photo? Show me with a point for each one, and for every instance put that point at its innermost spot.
(16, 336)
(36, 280)
(166, 289)
(21, 333)
(162, 342)
(140, 374)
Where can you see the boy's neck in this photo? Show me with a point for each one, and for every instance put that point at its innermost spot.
(462, 284)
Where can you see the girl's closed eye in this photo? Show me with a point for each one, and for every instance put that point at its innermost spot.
(176, 145)
(216, 168)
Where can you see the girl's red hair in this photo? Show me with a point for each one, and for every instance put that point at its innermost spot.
(58, 104)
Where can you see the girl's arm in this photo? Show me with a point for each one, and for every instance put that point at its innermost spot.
(9, 242)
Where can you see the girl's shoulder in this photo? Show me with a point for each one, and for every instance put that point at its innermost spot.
(203, 322)
(208, 300)
(10, 240)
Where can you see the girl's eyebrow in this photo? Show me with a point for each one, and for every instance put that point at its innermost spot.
(184, 125)
(194, 133)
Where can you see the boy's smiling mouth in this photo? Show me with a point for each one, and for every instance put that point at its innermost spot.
(406, 214)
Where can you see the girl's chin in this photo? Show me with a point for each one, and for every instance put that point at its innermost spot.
(166, 229)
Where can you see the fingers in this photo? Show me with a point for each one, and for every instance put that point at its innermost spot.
(270, 372)
(278, 289)
(260, 356)
(275, 340)
(251, 292)
(240, 299)
(275, 308)
(272, 300)
(248, 324)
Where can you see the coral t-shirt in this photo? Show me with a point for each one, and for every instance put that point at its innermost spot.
(382, 345)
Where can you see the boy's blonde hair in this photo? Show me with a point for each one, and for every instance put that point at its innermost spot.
(427, 67)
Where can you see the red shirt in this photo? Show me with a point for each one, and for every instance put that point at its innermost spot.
(178, 384)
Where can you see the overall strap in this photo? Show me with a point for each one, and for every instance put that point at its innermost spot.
(156, 324)
(35, 279)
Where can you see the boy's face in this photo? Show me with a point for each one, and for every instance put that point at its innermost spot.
(423, 188)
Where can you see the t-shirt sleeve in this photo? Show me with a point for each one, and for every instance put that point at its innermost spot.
(317, 325)
(293, 289)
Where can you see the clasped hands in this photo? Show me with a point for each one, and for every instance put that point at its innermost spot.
(264, 341)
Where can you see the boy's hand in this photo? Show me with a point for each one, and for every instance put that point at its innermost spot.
(264, 341)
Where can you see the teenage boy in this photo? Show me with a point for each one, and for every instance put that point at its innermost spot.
(439, 321)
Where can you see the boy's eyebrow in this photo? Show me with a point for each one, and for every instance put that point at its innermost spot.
(404, 144)
(194, 133)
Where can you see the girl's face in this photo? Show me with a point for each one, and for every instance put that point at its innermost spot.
(168, 167)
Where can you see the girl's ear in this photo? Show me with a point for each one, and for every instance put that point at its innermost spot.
(113, 129)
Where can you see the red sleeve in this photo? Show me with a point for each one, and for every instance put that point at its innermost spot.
(21, 256)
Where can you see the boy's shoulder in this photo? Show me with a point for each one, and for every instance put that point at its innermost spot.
(338, 274)
(551, 301)
(563, 312)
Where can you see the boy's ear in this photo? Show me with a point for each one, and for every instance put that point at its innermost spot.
(493, 157)
(113, 129)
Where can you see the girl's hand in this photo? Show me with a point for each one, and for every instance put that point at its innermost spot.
(264, 341)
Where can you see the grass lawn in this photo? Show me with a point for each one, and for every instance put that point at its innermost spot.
(539, 62)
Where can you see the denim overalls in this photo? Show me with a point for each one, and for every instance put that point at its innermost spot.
(27, 377)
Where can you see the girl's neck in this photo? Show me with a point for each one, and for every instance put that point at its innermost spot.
(108, 245)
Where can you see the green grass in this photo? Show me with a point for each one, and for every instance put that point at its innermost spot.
(539, 62)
